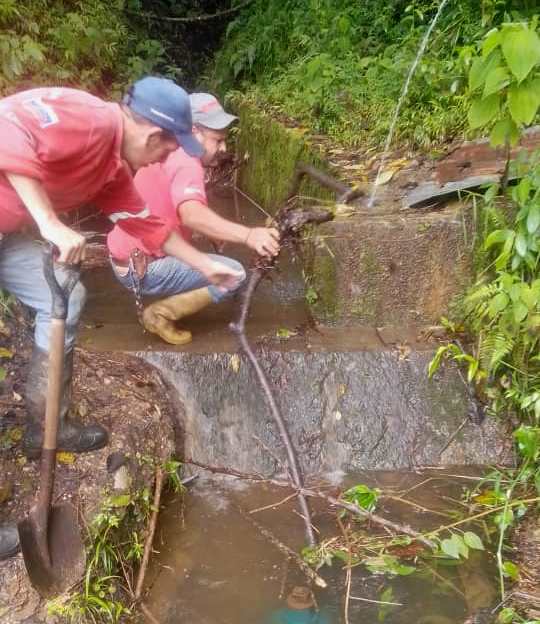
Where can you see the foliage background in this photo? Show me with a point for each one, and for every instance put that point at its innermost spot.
(338, 66)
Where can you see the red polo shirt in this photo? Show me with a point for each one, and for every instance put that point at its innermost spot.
(70, 141)
(163, 187)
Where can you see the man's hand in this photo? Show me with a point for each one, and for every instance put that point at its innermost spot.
(70, 243)
(221, 275)
(265, 241)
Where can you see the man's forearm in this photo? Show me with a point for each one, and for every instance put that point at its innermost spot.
(200, 218)
(35, 199)
(176, 246)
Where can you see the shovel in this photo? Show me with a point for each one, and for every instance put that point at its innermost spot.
(50, 537)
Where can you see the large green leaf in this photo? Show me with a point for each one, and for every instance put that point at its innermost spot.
(482, 111)
(498, 304)
(482, 67)
(504, 130)
(521, 244)
(521, 49)
(523, 101)
(533, 219)
(497, 79)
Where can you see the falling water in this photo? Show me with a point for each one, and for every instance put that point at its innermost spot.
(390, 136)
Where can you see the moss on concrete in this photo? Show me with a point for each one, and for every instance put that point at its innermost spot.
(364, 306)
(320, 273)
(273, 151)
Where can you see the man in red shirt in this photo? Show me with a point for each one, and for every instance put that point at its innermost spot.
(175, 192)
(62, 148)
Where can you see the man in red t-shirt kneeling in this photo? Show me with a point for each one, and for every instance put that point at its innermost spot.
(174, 191)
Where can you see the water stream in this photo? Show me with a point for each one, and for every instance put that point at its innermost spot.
(215, 567)
(402, 97)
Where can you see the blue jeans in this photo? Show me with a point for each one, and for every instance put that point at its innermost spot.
(169, 276)
(21, 274)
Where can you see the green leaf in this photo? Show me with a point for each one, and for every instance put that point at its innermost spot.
(510, 570)
(520, 311)
(521, 49)
(523, 101)
(2, 373)
(481, 67)
(450, 548)
(528, 440)
(5, 353)
(496, 80)
(498, 304)
(363, 496)
(521, 244)
(493, 40)
(122, 500)
(504, 130)
(482, 111)
(506, 616)
(473, 541)
(533, 219)
(496, 237)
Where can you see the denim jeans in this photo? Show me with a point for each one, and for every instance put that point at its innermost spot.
(169, 276)
(21, 274)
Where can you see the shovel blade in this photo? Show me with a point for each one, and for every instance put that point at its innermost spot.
(60, 563)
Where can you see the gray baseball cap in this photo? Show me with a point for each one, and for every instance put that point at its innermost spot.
(208, 112)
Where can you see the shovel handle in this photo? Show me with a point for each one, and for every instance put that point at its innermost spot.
(60, 294)
(59, 309)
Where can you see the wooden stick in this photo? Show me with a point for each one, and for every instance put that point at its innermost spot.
(348, 572)
(286, 550)
(151, 531)
(148, 614)
(289, 223)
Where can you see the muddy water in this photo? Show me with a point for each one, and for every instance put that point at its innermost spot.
(215, 567)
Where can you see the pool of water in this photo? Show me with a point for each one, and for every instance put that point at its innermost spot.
(214, 566)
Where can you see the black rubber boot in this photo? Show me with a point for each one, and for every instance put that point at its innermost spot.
(73, 436)
(9, 541)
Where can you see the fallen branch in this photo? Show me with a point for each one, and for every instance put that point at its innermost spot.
(289, 223)
(286, 550)
(150, 535)
(359, 511)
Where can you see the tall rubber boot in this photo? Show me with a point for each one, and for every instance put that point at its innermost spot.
(9, 541)
(73, 436)
(159, 317)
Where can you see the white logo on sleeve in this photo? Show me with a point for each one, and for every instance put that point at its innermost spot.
(44, 113)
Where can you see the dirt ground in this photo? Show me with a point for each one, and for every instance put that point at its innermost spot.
(122, 393)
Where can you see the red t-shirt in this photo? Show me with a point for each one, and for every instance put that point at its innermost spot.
(163, 187)
(71, 142)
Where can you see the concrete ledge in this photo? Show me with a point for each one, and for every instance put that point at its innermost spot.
(346, 411)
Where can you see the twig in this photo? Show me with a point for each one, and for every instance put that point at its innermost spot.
(151, 530)
(188, 20)
(148, 614)
(400, 499)
(383, 602)
(348, 573)
(454, 435)
(443, 580)
(307, 570)
(274, 505)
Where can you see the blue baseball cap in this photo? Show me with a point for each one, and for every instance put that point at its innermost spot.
(165, 104)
